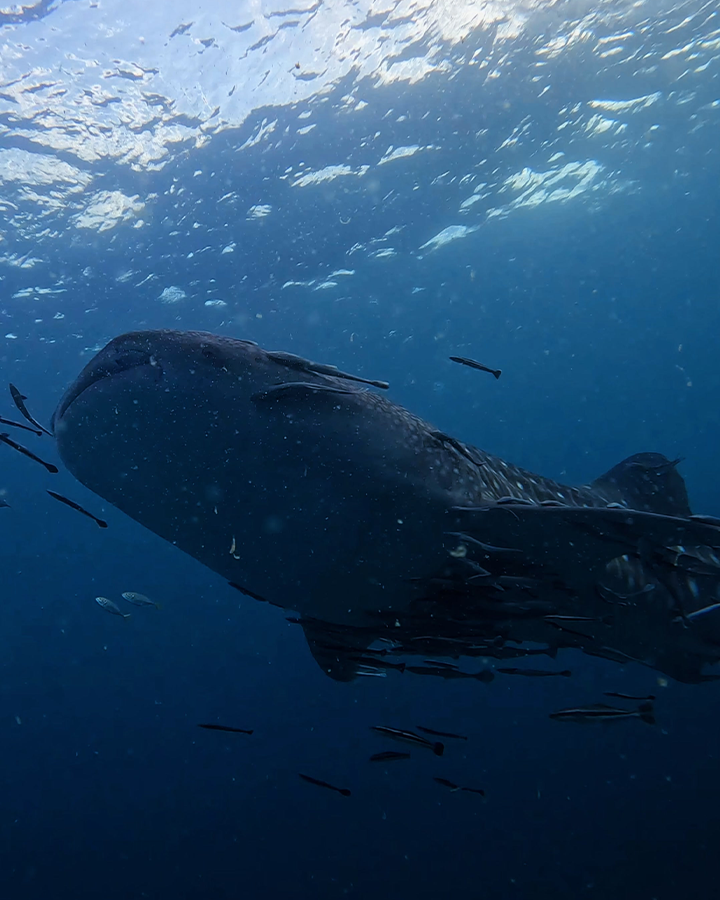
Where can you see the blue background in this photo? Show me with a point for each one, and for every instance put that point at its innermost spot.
(601, 309)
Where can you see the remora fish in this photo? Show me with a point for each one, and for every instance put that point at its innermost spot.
(445, 734)
(473, 364)
(331, 787)
(389, 756)
(601, 712)
(228, 728)
(622, 696)
(6, 439)
(13, 424)
(76, 506)
(323, 483)
(19, 401)
(536, 673)
(454, 788)
(409, 737)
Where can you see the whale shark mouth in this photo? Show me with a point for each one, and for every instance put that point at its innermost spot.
(121, 360)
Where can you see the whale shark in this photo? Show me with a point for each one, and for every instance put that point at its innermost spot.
(306, 487)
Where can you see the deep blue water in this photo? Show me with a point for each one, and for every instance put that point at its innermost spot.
(601, 309)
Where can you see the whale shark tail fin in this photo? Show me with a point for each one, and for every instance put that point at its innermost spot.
(649, 482)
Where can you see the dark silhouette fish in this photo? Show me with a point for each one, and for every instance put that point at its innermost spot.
(302, 487)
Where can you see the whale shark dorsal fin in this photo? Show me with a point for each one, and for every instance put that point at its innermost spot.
(649, 482)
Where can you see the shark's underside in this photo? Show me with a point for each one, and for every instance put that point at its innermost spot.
(302, 487)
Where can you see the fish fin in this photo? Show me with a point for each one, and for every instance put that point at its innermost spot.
(333, 654)
(648, 482)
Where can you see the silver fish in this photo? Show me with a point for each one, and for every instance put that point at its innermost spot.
(139, 599)
(111, 607)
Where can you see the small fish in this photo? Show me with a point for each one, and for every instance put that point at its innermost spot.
(4, 421)
(628, 696)
(488, 548)
(485, 675)
(440, 664)
(699, 613)
(454, 788)
(464, 361)
(536, 673)
(388, 756)
(331, 787)
(605, 620)
(600, 712)
(707, 520)
(445, 734)
(19, 399)
(73, 505)
(138, 599)
(370, 672)
(6, 439)
(409, 737)
(448, 784)
(211, 727)
(373, 662)
(111, 607)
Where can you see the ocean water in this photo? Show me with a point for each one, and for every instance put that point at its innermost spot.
(374, 185)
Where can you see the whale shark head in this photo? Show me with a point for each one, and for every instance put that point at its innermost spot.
(284, 476)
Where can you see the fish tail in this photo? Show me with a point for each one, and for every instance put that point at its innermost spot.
(645, 711)
(566, 673)
(438, 748)
(497, 373)
(126, 615)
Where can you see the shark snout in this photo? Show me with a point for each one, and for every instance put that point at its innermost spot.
(117, 358)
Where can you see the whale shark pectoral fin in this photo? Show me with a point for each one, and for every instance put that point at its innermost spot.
(332, 652)
(649, 482)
